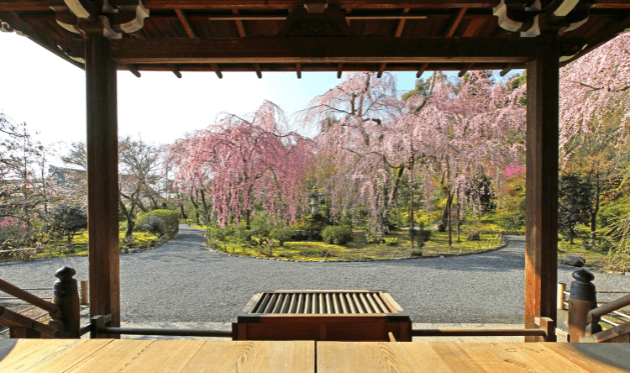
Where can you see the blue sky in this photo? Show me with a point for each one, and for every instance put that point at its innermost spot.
(48, 94)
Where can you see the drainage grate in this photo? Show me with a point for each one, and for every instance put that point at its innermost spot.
(323, 303)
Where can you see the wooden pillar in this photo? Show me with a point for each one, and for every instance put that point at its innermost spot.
(66, 297)
(102, 154)
(541, 256)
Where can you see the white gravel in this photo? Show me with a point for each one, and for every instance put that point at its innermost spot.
(181, 281)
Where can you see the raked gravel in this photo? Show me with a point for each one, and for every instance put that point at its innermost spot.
(182, 282)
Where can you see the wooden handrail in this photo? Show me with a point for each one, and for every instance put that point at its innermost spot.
(13, 319)
(594, 316)
(9, 288)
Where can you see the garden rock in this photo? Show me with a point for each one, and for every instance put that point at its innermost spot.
(586, 245)
(574, 261)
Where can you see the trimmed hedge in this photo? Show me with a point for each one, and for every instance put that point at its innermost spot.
(338, 235)
(171, 220)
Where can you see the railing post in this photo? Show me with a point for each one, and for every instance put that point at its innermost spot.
(562, 287)
(66, 297)
(83, 293)
(583, 299)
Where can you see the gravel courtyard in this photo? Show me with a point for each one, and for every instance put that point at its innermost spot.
(182, 281)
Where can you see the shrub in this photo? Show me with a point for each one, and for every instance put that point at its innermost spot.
(282, 235)
(473, 236)
(421, 235)
(154, 224)
(337, 234)
(391, 241)
(13, 232)
(170, 218)
(416, 253)
(260, 225)
(67, 220)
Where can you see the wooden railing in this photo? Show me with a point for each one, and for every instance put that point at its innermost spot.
(64, 309)
(585, 312)
(545, 328)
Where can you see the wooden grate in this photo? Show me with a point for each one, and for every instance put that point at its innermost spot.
(322, 303)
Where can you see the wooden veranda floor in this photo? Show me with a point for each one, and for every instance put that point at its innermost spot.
(106, 355)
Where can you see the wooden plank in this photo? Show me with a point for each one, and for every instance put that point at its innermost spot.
(110, 358)
(19, 355)
(328, 50)
(368, 357)
(165, 356)
(595, 357)
(456, 21)
(253, 356)
(541, 254)
(68, 357)
(102, 175)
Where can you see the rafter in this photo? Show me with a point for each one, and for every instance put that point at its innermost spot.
(381, 69)
(176, 71)
(422, 69)
(258, 72)
(339, 70)
(184, 21)
(465, 69)
(507, 69)
(133, 70)
(449, 33)
(217, 70)
(298, 70)
(239, 24)
(399, 30)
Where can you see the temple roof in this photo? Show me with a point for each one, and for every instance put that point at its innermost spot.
(334, 35)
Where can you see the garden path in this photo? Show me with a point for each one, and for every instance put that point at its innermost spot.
(183, 282)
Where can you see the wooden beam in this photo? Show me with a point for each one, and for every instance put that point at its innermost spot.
(465, 69)
(541, 244)
(239, 24)
(329, 50)
(176, 71)
(184, 21)
(133, 70)
(453, 26)
(258, 72)
(339, 70)
(44, 5)
(217, 70)
(42, 39)
(102, 176)
(298, 70)
(422, 69)
(507, 69)
(381, 69)
(399, 30)
(362, 17)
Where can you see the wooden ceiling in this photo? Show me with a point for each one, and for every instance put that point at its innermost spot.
(260, 36)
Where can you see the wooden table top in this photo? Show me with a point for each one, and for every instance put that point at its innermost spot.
(122, 356)
(107, 355)
(367, 357)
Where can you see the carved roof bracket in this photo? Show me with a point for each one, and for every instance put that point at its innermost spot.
(532, 18)
(331, 22)
(111, 18)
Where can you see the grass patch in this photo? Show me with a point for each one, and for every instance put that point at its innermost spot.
(79, 246)
(396, 245)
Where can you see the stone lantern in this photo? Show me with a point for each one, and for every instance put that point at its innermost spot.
(314, 200)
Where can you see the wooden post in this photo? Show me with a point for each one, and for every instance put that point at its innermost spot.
(541, 254)
(83, 292)
(583, 299)
(102, 154)
(66, 297)
(562, 287)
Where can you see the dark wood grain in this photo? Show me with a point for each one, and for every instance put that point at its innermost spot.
(102, 153)
(541, 254)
